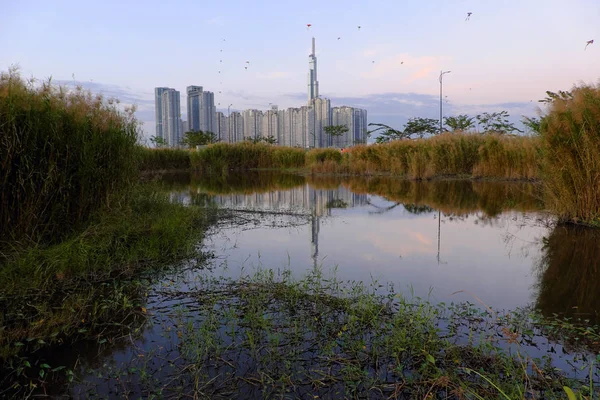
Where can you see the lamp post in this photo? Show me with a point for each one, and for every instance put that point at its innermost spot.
(441, 76)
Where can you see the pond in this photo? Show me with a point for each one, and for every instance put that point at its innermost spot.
(490, 244)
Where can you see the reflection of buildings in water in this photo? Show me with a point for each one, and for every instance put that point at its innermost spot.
(315, 203)
(302, 198)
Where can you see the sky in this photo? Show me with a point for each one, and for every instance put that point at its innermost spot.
(503, 58)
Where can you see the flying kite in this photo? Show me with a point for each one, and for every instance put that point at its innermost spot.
(401, 62)
(246, 67)
(339, 38)
(247, 62)
(308, 26)
(588, 43)
(359, 27)
(468, 16)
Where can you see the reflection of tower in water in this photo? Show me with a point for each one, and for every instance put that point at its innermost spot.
(314, 230)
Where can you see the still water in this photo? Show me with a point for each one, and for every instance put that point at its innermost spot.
(491, 242)
(431, 239)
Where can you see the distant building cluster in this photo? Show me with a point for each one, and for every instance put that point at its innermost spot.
(296, 127)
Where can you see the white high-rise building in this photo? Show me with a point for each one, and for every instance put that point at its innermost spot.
(235, 127)
(171, 117)
(221, 127)
(252, 123)
(296, 127)
(270, 124)
(355, 119)
(158, 111)
(322, 118)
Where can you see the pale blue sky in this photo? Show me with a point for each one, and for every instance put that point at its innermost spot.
(509, 53)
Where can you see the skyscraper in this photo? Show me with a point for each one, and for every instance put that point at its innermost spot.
(171, 117)
(221, 127)
(194, 101)
(252, 123)
(313, 83)
(201, 109)
(158, 111)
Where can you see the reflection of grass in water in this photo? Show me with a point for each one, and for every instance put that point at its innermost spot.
(336, 203)
(269, 334)
(456, 197)
(569, 273)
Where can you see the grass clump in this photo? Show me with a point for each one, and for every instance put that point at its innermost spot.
(63, 154)
(89, 280)
(570, 135)
(164, 159)
(221, 157)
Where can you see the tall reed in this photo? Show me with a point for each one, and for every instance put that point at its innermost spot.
(163, 159)
(62, 154)
(449, 154)
(571, 155)
(240, 156)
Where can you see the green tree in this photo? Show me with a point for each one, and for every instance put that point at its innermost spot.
(198, 138)
(336, 130)
(459, 123)
(386, 133)
(270, 139)
(496, 122)
(534, 124)
(158, 141)
(421, 126)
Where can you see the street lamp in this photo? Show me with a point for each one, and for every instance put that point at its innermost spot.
(441, 76)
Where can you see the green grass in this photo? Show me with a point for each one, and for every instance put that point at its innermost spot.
(270, 334)
(221, 157)
(164, 159)
(63, 155)
(51, 292)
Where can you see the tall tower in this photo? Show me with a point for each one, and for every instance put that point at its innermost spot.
(313, 83)
(171, 117)
(158, 111)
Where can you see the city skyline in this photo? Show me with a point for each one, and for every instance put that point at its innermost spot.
(303, 126)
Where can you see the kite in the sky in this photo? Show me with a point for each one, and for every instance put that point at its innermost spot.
(308, 26)
(246, 67)
(468, 16)
(339, 38)
(359, 27)
(588, 43)
(247, 62)
(401, 62)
